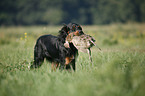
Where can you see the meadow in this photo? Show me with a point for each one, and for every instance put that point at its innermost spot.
(117, 70)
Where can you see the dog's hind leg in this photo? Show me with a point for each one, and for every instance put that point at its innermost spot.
(38, 57)
(37, 62)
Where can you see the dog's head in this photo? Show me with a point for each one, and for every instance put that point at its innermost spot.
(76, 29)
(71, 28)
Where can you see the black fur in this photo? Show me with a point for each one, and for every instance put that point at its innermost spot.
(52, 48)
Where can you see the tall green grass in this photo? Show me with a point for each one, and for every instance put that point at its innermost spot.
(118, 70)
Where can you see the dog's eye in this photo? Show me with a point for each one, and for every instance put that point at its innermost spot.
(73, 28)
(79, 28)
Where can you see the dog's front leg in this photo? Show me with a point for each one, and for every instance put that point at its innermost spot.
(54, 66)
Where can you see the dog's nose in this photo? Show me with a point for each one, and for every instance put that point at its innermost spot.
(78, 32)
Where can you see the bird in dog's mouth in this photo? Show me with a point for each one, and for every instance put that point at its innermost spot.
(83, 43)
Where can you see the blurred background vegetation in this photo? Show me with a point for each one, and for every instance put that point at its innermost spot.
(55, 12)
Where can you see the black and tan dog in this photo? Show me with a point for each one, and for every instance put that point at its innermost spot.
(52, 48)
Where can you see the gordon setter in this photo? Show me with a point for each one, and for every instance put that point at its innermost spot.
(52, 48)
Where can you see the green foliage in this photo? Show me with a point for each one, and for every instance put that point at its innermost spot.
(53, 16)
(117, 70)
(42, 12)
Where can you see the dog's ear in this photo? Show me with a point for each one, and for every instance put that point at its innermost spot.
(65, 28)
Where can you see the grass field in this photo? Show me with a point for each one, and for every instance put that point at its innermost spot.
(118, 70)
